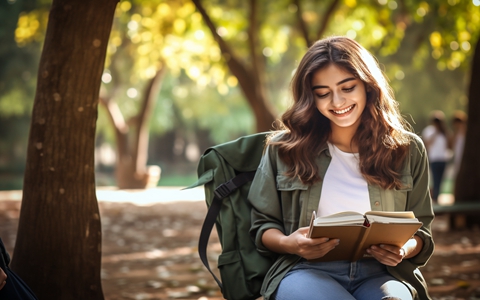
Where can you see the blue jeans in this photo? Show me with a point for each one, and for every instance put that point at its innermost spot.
(366, 279)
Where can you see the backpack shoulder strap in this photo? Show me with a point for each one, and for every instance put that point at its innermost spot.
(221, 192)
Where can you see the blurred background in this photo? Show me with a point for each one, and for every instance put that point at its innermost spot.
(179, 77)
(183, 75)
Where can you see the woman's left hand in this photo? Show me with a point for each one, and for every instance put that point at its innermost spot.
(388, 255)
(391, 255)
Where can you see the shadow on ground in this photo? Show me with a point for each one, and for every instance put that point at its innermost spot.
(150, 252)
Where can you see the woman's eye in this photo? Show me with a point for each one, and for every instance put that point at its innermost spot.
(322, 95)
(349, 89)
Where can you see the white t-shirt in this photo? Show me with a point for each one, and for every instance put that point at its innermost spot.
(438, 148)
(344, 188)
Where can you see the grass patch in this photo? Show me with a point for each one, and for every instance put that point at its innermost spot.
(177, 180)
(10, 183)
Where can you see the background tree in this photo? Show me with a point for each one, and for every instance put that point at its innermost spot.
(251, 75)
(260, 50)
(453, 30)
(58, 247)
(149, 38)
(201, 99)
(466, 184)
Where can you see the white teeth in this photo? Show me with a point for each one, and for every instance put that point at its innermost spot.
(339, 112)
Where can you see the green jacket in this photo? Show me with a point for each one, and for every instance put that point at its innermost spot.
(287, 204)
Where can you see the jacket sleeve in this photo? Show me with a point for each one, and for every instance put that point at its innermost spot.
(419, 199)
(264, 198)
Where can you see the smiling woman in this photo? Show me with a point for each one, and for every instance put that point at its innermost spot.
(341, 98)
(341, 146)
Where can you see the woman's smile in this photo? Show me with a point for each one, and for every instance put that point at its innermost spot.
(343, 111)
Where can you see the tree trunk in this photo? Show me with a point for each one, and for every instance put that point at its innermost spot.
(468, 178)
(58, 246)
(132, 140)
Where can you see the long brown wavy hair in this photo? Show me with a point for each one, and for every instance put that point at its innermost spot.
(382, 137)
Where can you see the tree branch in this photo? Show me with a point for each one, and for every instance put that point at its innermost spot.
(301, 23)
(140, 147)
(326, 18)
(253, 36)
(247, 79)
(235, 66)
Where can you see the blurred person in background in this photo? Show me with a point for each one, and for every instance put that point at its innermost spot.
(437, 141)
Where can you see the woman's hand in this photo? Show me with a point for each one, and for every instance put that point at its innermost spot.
(388, 255)
(3, 278)
(297, 243)
(391, 255)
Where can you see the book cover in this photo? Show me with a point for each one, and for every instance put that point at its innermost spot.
(358, 232)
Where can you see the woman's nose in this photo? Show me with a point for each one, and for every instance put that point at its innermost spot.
(338, 100)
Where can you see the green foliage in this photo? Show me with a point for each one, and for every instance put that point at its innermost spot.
(13, 145)
(184, 104)
(21, 33)
(14, 102)
(425, 48)
(150, 34)
(177, 180)
(457, 28)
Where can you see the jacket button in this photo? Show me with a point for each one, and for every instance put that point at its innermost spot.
(377, 203)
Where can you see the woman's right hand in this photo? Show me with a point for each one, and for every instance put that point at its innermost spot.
(3, 278)
(298, 243)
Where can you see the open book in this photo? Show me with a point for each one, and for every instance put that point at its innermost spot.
(358, 232)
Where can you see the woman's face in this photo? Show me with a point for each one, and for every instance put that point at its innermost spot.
(339, 96)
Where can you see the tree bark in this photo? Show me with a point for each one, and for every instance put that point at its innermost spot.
(58, 246)
(468, 178)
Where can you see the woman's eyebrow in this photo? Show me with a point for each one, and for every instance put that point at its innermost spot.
(338, 83)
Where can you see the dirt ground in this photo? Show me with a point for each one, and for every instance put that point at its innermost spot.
(150, 252)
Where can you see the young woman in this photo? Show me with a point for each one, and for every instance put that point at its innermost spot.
(342, 146)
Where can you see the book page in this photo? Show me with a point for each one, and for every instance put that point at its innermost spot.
(342, 218)
(392, 214)
(391, 217)
(381, 219)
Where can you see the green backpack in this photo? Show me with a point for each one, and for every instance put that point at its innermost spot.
(226, 171)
